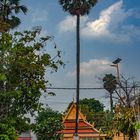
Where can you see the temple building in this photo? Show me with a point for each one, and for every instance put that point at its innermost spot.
(25, 136)
(86, 131)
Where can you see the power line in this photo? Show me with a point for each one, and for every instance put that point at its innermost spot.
(72, 88)
(62, 88)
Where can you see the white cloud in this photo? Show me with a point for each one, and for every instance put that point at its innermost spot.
(91, 70)
(110, 24)
(69, 23)
(108, 21)
(37, 17)
(94, 66)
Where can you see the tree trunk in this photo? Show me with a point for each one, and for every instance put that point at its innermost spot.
(111, 103)
(77, 72)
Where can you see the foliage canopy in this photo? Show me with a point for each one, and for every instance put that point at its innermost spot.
(23, 63)
(48, 125)
(77, 7)
(8, 11)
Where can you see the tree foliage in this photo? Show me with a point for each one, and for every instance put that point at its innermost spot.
(93, 110)
(7, 131)
(93, 104)
(125, 122)
(110, 84)
(77, 7)
(95, 113)
(48, 125)
(23, 63)
(127, 106)
(8, 11)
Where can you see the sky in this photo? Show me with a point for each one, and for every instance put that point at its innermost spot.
(110, 31)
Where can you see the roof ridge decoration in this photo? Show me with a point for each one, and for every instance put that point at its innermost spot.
(71, 113)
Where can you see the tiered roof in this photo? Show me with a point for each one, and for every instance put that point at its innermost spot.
(84, 128)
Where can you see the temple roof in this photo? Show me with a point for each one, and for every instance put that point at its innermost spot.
(83, 125)
(71, 115)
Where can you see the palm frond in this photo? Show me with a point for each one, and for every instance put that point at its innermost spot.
(9, 9)
(16, 9)
(23, 8)
(14, 22)
(16, 2)
(75, 7)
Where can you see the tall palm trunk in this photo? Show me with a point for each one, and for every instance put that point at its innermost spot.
(111, 103)
(77, 7)
(77, 70)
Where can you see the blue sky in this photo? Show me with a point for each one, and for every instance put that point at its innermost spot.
(111, 30)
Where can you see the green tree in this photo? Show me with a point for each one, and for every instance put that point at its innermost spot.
(48, 125)
(7, 129)
(8, 11)
(127, 107)
(110, 84)
(94, 112)
(78, 8)
(126, 122)
(90, 107)
(23, 63)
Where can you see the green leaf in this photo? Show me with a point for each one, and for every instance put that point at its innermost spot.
(2, 77)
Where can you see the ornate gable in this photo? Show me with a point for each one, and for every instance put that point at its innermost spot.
(71, 115)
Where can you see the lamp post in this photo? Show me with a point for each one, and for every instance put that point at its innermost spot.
(116, 64)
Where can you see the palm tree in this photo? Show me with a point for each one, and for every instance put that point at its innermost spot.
(8, 11)
(110, 84)
(77, 7)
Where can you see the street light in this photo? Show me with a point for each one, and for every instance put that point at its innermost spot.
(115, 64)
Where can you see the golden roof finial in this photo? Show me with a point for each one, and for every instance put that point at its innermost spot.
(73, 98)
